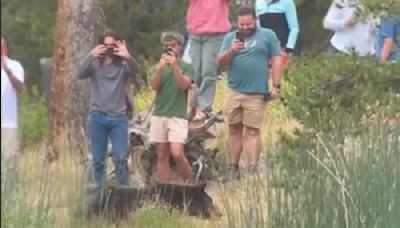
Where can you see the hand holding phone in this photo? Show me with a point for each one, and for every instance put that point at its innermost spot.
(236, 45)
(240, 36)
(98, 51)
(110, 51)
(167, 51)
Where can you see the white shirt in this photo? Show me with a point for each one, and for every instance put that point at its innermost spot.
(9, 94)
(345, 38)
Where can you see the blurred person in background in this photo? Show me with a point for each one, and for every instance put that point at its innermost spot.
(387, 40)
(281, 17)
(12, 82)
(351, 33)
(207, 23)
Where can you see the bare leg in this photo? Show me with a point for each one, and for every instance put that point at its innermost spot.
(177, 152)
(235, 144)
(163, 156)
(253, 145)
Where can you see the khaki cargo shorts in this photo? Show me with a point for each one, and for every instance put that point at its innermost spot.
(247, 109)
(168, 130)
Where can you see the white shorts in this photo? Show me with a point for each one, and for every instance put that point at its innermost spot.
(168, 130)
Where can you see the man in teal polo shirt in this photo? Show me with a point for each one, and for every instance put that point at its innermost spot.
(169, 125)
(245, 53)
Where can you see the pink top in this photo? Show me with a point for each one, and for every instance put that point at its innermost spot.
(207, 17)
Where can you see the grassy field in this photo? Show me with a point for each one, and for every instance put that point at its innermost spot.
(304, 186)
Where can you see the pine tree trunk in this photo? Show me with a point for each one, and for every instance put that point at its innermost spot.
(78, 26)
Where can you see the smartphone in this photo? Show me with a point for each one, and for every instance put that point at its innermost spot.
(268, 98)
(240, 36)
(167, 51)
(110, 51)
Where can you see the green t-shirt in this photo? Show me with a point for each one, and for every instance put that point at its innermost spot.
(171, 101)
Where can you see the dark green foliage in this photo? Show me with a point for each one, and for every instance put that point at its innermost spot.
(142, 22)
(29, 26)
(337, 93)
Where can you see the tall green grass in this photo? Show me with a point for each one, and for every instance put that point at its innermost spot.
(18, 207)
(32, 117)
(321, 186)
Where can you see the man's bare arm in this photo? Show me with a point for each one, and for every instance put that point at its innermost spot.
(386, 49)
(225, 58)
(156, 78)
(276, 70)
(15, 82)
(182, 81)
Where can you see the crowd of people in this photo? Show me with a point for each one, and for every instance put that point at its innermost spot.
(366, 36)
(252, 54)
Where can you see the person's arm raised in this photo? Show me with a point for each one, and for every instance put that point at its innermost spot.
(15, 77)
(225, 57)
(86, 68)
(157, 74)
(182, 80)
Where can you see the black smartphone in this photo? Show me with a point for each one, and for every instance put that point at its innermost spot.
(110, 51)
(240, 36)
(167, 51)
(268, 98)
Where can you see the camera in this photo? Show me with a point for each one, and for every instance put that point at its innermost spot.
(240, 36)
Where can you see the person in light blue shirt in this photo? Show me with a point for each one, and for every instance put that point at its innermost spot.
(387, 40)
(281, 17)
(245, 53)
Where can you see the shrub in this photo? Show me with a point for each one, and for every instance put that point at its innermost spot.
(336, 93)
(314, 185)
(32, 117)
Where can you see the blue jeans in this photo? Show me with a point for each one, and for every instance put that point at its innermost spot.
(101, 128)
(203, 53)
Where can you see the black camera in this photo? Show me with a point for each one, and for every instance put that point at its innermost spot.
(240, 36)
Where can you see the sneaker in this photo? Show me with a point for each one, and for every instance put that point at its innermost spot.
(232, 173)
